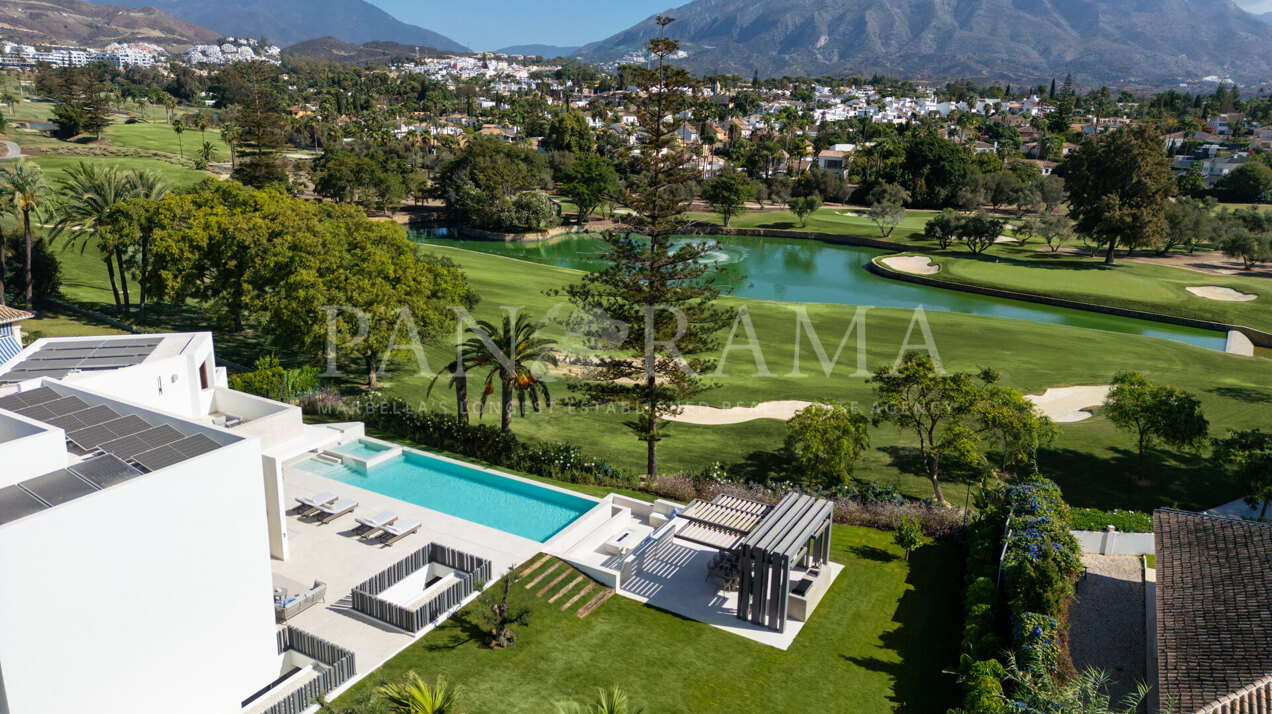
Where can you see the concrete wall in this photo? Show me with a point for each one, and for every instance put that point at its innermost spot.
(129, 599)
(1112, 542)
(272, 422)
(28, 448)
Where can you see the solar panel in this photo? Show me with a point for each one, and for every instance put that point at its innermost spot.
(83, 419)
(58, 487)
(16, 503)
(12, 402)
(55, 408)
(73, 345)
(129, 446)
(33, 397)
(103, 471)
(92, 437)
(176, 452)
(59, 359)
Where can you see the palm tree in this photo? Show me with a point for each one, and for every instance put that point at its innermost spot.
(201, 123)
(25, 186)
(149, 185)
(90, 191)
(230, 134)
(142, 103)
(206, 152)
(512, 350)
(179, 127)
(169, 105)
(9, 98)
(608, 701)
(458, 371)
(415, 696)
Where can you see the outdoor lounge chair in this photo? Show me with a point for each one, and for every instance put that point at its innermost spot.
(367, 526)
(310, 505)
(288, 607)
(397, 530)
(331, 511)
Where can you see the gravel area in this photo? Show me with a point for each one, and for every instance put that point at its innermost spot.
(1106, 623)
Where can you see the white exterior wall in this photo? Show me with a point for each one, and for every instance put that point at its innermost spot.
(28, 449)
(150, 596)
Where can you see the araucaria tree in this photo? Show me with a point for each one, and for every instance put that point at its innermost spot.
(257, 109)
(1119, 186)
(661, 296)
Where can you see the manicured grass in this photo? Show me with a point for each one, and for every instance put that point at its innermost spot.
(159, 136)
(1094, 462)
(878, 642)
(53, 324)
(55, 167)
(839, 219)
(1143, 286)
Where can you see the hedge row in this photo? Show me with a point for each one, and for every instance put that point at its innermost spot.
(1029, 590)
(1093, 519)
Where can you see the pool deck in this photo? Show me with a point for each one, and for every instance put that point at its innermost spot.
(332, 554)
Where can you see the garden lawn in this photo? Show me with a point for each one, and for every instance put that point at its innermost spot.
(878, 642)
(1094, 462)
(1143, 286)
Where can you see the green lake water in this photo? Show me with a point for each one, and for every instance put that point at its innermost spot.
(801, 270)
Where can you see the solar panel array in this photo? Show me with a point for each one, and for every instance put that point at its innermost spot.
(129, 446)
(58, 359)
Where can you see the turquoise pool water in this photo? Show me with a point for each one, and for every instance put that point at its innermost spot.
(510, 505)
(361, 449)
(795, 270)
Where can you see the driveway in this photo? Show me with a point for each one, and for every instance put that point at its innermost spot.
(9, 150)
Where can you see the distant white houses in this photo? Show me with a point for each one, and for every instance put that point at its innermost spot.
(231, 50)
(120, 54)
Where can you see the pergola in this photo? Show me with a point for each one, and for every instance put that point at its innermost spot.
(723, 522)
(795, 532)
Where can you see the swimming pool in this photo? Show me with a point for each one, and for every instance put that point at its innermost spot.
(511, 505)
(361, 449)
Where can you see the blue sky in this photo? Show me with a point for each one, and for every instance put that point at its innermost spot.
(491, 24)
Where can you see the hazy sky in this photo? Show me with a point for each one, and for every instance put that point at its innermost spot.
(492, 24)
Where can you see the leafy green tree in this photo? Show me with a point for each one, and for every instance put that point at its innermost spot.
(480, 183)
(728, 194)
(935, 406)
(804, 206)
(1250, 454)
(1119, 186)
(938, 168)
(1015, 425)
(326, 255)
(1251, 249)
(1188, 222)
(826, 441)
(1250, 182)
(1055, 230)
(569, 131)
(661, 295)
(907, 534)
(589, 181)
(943, 227)
(608, 701)
(886, 207)
(978, 232)
(1155, 412)
(415, 696)
(27, 193)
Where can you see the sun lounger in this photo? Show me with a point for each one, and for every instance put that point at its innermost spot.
(310, 505)
(331, 511)
(397, 530)
(367, 526)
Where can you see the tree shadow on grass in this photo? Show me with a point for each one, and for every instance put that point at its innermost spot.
(462, 628)
(1243, 394)
(870, 552)
(1119, 478)
(762, 466)
(926, 639)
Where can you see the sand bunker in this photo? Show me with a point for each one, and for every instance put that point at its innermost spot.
(1215, 292)
(1070, 404)
(917, 264)
(783, 410)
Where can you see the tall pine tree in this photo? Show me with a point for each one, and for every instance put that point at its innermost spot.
(659, 296)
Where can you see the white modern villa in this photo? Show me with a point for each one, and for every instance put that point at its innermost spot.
(169, 544)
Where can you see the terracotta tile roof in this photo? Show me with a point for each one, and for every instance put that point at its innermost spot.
(1214, 605)
(10, 314)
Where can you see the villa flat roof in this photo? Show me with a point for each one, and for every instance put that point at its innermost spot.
(108, 447)
(58, 358)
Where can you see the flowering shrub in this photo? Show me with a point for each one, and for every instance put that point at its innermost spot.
(1036, 642)
(1042, 557)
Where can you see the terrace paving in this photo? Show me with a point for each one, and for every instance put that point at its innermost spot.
(332, 554)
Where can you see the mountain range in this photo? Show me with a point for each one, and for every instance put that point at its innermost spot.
(329, 49)
(83, 23)
(1123, 42)
(548, 51)
(287, 22)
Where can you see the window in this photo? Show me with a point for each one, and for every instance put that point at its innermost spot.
(205, 380)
